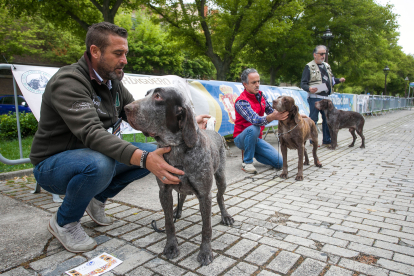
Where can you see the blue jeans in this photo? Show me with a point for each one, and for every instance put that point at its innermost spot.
(82, 174)
(314, 115)
(253, 146)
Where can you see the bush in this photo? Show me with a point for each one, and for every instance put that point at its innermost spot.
(8, 125)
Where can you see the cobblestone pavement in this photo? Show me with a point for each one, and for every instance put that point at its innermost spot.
(353, 216)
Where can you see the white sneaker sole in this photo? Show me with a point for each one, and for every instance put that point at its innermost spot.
(255, 172)
(98, 222)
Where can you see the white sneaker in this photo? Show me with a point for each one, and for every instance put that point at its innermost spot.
(96, 210)
(72, 236)
(249, 168)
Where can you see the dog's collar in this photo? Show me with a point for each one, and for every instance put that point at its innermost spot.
(288, 131)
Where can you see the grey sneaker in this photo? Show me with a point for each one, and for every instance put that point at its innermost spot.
(249, 168)
(72, 236)
(96, 210)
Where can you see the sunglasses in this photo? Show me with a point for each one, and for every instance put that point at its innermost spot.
(322, 54)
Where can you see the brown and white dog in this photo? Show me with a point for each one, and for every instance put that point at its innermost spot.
(293, 133)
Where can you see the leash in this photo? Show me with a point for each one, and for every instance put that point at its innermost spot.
(154, 223)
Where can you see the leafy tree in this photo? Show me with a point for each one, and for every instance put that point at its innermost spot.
(73, 15)
(222, 32)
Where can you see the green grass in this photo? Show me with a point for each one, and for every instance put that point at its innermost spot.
(10, 150)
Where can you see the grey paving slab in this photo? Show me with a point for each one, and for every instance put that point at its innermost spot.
(283, 262)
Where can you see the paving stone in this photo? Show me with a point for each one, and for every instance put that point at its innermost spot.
(51, 261)
(377, 236)
(328, 248)
(20, 271)
(354, 238)
(283, 262)
(140, 215)
(219, 264)
(261, 254)
(140, 271)
(300, 241)
(241, 248)
(147, 240)
(309, 267)
(314, 254)
(317, 229)
(107, 247)
(403, 258)
(137, 233)
(397, 248)
(223, 241)
(267, 273)
(337, 271)
(242, 269)
(363, 268)
(164, 268)
(327, 239)
(397, 234)
(63, 266)
(391, 265)
(116, 224)
(381, 224)
(292, 231)
(361, 226)
(131, 258)
(190, 232)
(123, 229)
(279, 244)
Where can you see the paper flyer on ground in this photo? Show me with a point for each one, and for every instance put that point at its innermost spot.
(97, 266)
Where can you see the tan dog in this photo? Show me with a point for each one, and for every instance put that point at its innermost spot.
(293, 133)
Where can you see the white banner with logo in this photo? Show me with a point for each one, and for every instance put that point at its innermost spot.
(32, 82)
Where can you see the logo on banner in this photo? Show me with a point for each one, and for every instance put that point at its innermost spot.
(228, 99)
(35, 81)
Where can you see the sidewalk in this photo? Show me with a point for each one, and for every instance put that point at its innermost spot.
(353, 216)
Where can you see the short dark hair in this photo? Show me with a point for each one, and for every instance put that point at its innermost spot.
(98, 35)
(245, 74)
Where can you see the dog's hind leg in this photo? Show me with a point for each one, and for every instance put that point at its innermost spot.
(220, 177)
(171, 247)
(314, 135)
(205, 256)
(179, 209)
(359, 131)
(354, 137)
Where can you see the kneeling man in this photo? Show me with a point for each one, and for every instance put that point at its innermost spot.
(251, 107)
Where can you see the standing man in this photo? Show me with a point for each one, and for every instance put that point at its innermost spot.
(317, 72)
(250, 108)
(76, 151)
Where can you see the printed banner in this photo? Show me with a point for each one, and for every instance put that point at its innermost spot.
(343, 101)
(215, 98)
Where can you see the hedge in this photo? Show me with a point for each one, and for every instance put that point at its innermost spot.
(8, 125)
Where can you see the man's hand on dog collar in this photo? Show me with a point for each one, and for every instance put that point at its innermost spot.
(202, 120)
(157, 165)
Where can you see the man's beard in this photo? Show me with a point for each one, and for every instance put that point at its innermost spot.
(108, 73)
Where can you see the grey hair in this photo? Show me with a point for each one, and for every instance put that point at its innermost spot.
(246, 73)
(318, 47)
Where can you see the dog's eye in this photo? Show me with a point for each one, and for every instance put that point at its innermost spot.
(157, 96)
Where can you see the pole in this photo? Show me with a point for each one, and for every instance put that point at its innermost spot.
(385, 86)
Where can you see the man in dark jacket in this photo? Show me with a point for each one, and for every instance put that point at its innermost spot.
(76, 151)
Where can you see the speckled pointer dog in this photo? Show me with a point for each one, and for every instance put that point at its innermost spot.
(338, 119)
(167, 116)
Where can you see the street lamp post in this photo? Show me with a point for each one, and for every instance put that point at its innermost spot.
(405, 90)
(327, 35)
(386, 70)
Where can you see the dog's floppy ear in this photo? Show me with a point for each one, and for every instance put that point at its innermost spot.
(330, 105)
(294, 113)
(188, 126)
(172, 113)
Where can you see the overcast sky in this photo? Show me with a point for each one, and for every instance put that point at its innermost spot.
(405, 10)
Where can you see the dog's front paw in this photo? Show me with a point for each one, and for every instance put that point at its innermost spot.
(283, 175)
(351, 145)
(299, 177)
(362, 146)
(171, 250)
(331, 147)
(227, 220)
(205, 257)
(318, 164)
(306, 163)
